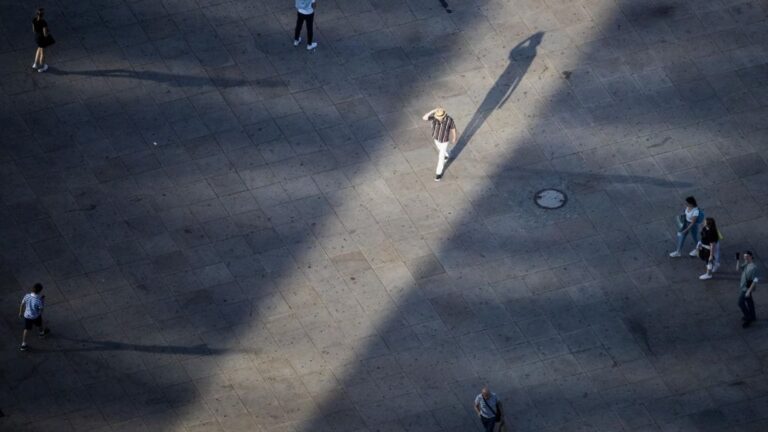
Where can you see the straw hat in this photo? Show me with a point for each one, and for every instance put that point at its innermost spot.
(439, 113)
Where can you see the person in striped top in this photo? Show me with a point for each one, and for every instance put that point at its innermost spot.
(32, 309)
(443, 131)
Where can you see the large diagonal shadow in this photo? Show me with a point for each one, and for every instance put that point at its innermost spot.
(438, 331)
(479, 322)
(430, 349)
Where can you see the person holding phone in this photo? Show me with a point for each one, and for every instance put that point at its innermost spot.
(748, 283)
(32, 309)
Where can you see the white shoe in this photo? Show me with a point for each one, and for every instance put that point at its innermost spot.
(312, 46)
(705, 276)
(693, 253)
(297, 41)
(674, 254)
(35, 65)
(43, 68)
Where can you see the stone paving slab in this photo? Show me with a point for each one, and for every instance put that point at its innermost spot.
(238, 235)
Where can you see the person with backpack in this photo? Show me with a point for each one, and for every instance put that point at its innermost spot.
(488, 408)
(709, 247)
(688, 223)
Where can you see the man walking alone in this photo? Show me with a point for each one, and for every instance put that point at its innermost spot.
(488, 409)
(443, 131)
(748, 283)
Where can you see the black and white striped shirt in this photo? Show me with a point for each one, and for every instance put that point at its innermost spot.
(33, 306)
(441, 130)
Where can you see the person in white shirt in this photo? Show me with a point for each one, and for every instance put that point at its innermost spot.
(31, 309)
(305, 12)
(690, 225)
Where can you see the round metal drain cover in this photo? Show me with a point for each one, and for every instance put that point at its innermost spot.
(550, 199)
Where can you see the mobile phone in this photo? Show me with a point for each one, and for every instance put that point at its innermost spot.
(737, 255)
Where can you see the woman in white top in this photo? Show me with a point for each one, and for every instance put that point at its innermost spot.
(693, 217)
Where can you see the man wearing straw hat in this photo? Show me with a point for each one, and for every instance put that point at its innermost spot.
(443, 131)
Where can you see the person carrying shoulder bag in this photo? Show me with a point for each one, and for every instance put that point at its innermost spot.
(688, 223)
(489, 409)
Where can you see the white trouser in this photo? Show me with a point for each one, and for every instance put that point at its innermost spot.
(442, 156)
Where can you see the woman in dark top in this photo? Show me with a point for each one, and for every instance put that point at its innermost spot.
(42, 39)
(709, 247)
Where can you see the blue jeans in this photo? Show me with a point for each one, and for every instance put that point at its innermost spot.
(716, 261)
(681, 236)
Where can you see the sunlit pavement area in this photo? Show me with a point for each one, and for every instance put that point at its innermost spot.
(238, 235)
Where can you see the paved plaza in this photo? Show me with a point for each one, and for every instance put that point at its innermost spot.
(238, 235)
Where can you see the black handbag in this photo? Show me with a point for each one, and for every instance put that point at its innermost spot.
(48, 40)
(704, 253)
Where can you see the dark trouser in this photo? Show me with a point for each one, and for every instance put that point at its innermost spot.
(747, 306)
(488, 423)
(28, 323)
(300, 18)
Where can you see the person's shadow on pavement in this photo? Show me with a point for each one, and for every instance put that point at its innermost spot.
(520, 59)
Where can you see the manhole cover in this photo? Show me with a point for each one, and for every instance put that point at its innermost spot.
(550, 198)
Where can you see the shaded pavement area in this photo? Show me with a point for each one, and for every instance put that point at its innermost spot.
(238, 235)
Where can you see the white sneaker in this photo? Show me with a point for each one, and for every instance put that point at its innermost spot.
(35, 65)
(43, 68)
(705, 276)
(312, 46)
(693, 253)
(674, 254)
(297, 41)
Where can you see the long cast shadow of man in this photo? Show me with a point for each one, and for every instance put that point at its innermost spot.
(520, 59)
